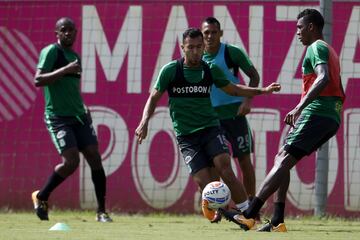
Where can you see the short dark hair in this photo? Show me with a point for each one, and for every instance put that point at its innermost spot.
(312, 16)
(64, 20)
(212, 20)
(192, 33)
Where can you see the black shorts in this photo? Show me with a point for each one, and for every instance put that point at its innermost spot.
(69, 132)
(238, 133)
(198, 149)
(309, 133)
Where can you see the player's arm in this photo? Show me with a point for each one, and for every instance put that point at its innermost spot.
(242, 90)
(166, 74)
(254, 77)
(151, 103)
(43, 78)
(232, 89)
(322, 79)
(243, 61)
(240, 57)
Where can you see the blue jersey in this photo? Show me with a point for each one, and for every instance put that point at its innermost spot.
(219, 97)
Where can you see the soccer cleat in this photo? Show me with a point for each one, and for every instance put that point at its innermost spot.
(268, 227)
(41, 207)
(217, 217)
(239, 219)
(207, 212)
(103, 217)
(279, 228)
(212, 215)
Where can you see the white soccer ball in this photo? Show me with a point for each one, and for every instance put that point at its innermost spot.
(217, 194)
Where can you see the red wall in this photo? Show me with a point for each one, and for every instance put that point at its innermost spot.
(122, 45)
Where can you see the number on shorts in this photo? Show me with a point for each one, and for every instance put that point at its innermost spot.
(243, 141)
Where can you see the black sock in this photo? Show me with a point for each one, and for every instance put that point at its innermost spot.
(99, 179)
(53, 181)
(279, 209)
(254, 208)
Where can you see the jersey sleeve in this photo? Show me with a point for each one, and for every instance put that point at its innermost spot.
(218, 76)
(47, 58)
(318, 53)
(166, 75)
(239, 57)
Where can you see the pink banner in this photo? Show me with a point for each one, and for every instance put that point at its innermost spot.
(123, 45)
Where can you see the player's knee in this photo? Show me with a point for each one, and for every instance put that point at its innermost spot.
(71, 165)
(94, 162)
(246, 166)
(201, 183)
(222, 161)
(66, 168)
(228, 176)
(283, 164)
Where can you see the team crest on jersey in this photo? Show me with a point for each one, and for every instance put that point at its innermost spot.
(60, 134)
(338, 106)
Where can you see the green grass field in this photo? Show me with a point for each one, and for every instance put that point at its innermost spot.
(25, 225)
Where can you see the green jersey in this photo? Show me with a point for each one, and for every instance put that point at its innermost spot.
(330, 101)
(62, 98)
(190, 105)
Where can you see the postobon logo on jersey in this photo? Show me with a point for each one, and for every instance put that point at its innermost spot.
(18, 58)
(192, 89)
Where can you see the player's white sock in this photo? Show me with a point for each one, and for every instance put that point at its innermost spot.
(243, 206)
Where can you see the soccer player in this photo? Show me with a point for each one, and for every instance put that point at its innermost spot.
(232, 110)
(68, 121)
(188, 82)
(314, 120)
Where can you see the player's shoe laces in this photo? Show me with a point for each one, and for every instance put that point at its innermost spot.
(41, 207)
(237, 218)
(268, 227)
(103, 217)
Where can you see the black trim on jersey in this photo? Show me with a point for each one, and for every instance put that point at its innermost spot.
(61, 61)
(229, 62)
(179, 87)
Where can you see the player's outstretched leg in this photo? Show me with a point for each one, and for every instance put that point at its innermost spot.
(237, 218)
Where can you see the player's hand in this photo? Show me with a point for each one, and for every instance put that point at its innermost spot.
(292, 116)
(73, 67)
(245, 107)
(273, 87)
(141, 131)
